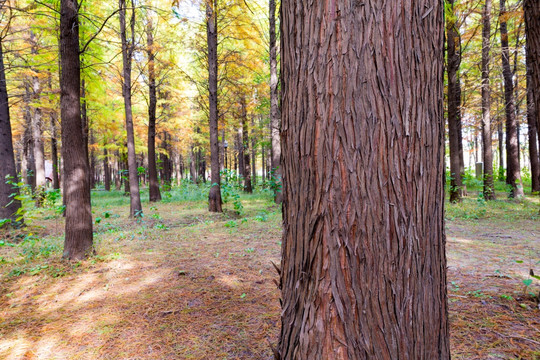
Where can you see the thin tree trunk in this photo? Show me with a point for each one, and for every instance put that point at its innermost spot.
(106, 169)
(489, 187)
(214, 196)
(245, 147)
(275, 115)
(29, 141)
(240, 156)
(78, 230)
(127, 53)
(54, 153)
(8, 204)
(454, 110)
(253, 153)
(363, 270)
(500, 134)
(513, 173)
(532, 32)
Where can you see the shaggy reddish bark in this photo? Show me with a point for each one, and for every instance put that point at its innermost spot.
(363, 271)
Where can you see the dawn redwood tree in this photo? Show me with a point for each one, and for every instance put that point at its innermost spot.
(363, 272)
(154, 192)
(78, 237)
(487, 154)
(245, 146)
(454, 106)
(513, 171)
(533, 135)
(214, 196)
(8, 205)
(128, 47)
(532, 31)
(275, 116)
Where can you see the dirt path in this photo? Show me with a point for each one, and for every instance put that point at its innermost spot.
(188, 285)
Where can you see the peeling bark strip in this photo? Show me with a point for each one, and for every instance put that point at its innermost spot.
(364, 265)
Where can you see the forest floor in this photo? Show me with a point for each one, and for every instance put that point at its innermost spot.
(185, 284)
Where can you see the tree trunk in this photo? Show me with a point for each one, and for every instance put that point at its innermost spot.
(106, 169)
(54, 153)
(363, 271)
(532, 32)
(8, 205)
(154, 192)
(240, 156)
(533, 138)
(78, 231)
(500, 134)
(127, 53)
(275, 116)
(489, 187)
(245, 147)
(29, 144)
(513, 172)
(454, 109)
(253, 153)
(214, 196)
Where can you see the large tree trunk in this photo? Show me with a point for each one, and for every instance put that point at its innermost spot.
(214, 196)
(127, 53)
(275, 116)
(78, 237)
(532, 31)
(489, 187)
(154, 193)
(363, 273)
(513, 171)
(454, 109)
(8, 205)
(533, 134)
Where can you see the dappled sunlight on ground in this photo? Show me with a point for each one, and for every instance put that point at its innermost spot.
(185, 284)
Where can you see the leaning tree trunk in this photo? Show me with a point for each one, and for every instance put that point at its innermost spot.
(8, 204)
(214, 197)
(275, 116)
(489, 187)
(78, 237)
(454, 110)
(363, 271)
(127, 53)
(154, 193)
(532, 31)
(513, 172)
